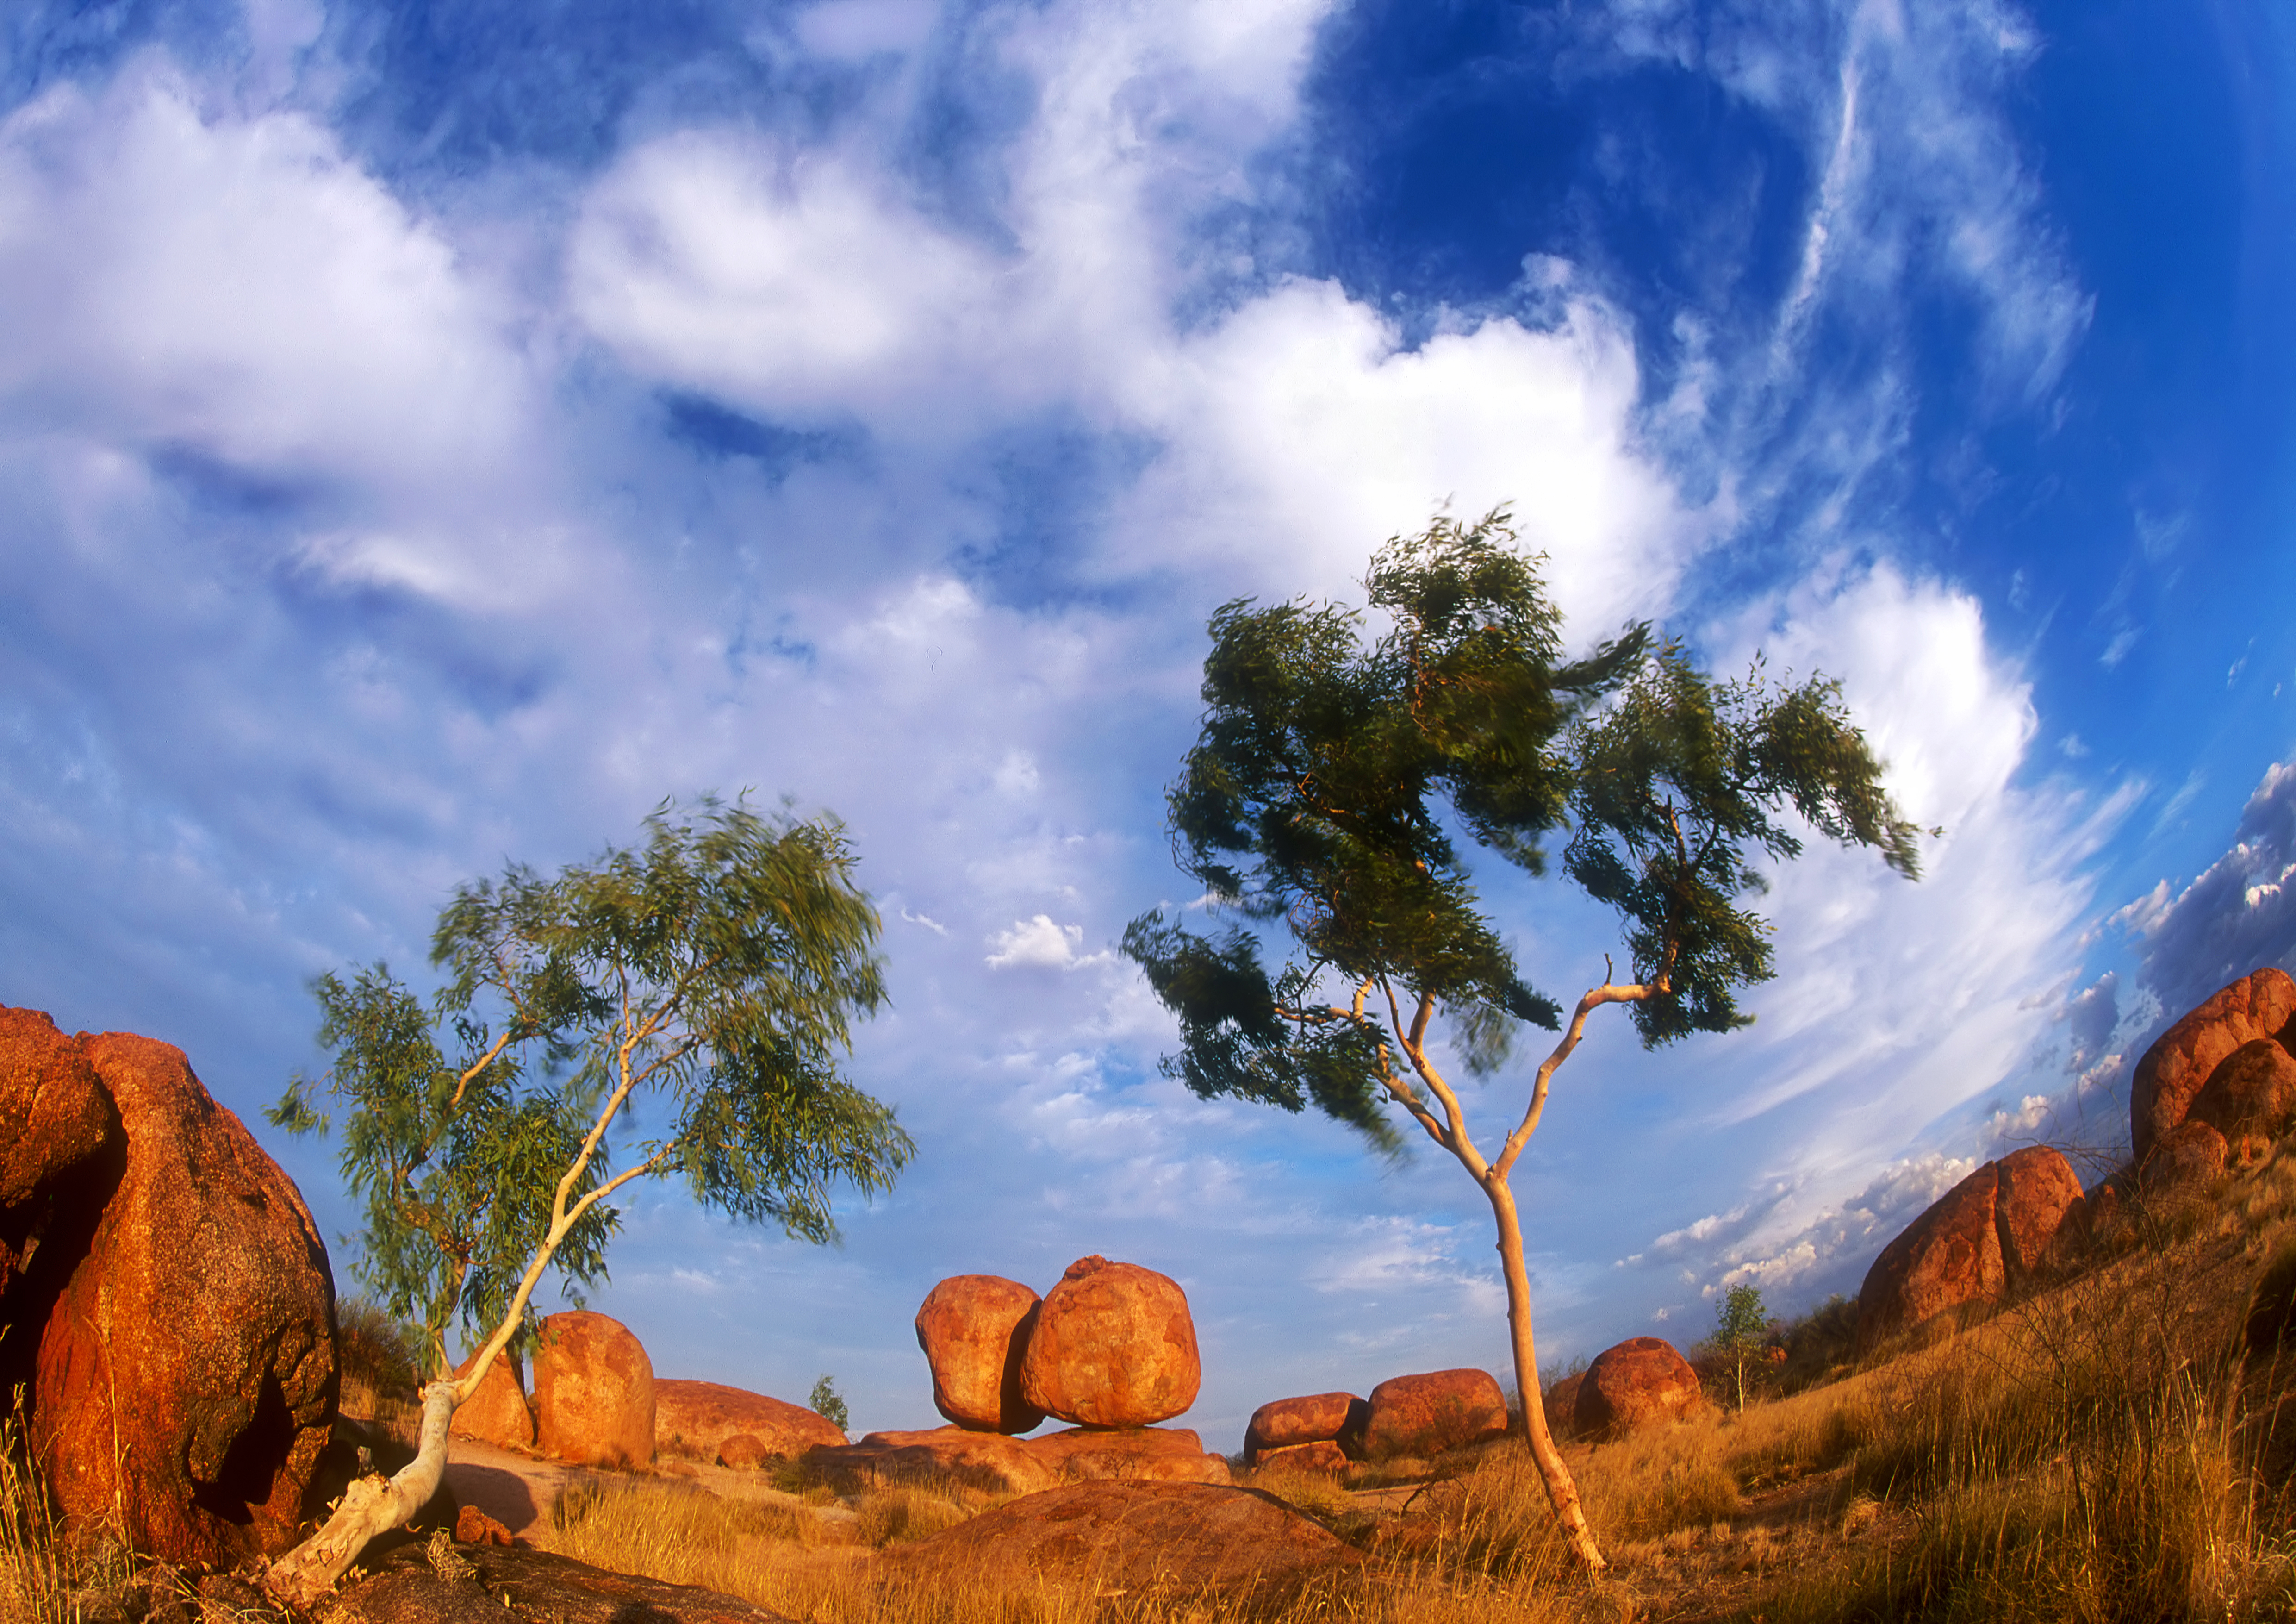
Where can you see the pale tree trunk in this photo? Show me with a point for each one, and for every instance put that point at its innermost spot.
(1562, 1491)
(369, 1506)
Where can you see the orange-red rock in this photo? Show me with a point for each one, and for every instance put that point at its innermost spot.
(474, 1527)
(693, 1420)
(1140, 1538)
(593, 1392)
(742, 1452)
(1161, 1455)
(2178, 1064)
(165, 1295)
(1282, 1423)
(1995, 1230)
(989, 1460)
(1562, 1405)
(1428, 1413)
(2249, 1098)
(1113, 1346)
(497, 1412)
(2037, 1209)
(974, 1330)
(1323, 1455)
(2189, 1158)
(1641, 1382)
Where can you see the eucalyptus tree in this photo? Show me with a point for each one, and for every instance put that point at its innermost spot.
(714, 972)
(1320, 802)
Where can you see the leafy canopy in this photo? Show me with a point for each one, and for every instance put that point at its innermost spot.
(717, 968)
(1317, 793)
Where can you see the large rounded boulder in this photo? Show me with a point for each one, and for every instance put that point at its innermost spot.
(498, 1411)
(1643, 1382)
(593, 1401)
(1113, 1346)
(1992, 1233)
(974, 1330)
(2249, 1099)
(1284, 1423)
(2179, 1065)
(1425, 1414)
(165, 1300)
(695, 1420)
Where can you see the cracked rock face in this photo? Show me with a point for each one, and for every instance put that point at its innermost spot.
(1988, 1235)
(1113, 1346)
(166, 1297)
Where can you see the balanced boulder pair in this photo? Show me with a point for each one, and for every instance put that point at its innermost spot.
(1415, 1415)
(1112, 1346)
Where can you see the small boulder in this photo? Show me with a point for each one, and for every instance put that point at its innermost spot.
(1323, 1456)
(742, 1452)
(1141, 1540)
(1282, 1423)
(1113, 1346)
(2039, 1215)
(166, 1304)
(474, 1527)
(497, 1412)
(594, 1400)
(1562, 1405)
(1159, 1454)
(1425, 1414)
(1643, 1382)
(2188, 1159)
(974, 1330)
(693, 1420)
(2182, 1059)
(988, 1461)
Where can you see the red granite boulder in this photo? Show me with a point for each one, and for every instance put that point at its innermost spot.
(2249, 1099)
(1159, 1454)
(742, 1452)
(594, 1402)
(1425, 1414)
(1323, 1456)
(1995, 1231)
(498, 1412)
(693, 1420)
(974, 1330)
(1562, 1405)
(2180, 1063)
(165, 1300)
(1643, 1382)
(1280, 1423)
(2188, 1159)
(1113, 1346)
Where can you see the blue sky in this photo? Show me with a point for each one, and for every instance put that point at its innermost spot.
(430, 435)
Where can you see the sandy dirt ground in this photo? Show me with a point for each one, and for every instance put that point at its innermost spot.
(517, 1490)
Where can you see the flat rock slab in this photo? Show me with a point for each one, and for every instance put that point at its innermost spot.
(499, 1584)
(1159, 1538)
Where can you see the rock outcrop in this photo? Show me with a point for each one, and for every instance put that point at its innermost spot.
(594, 1400)
(1992, 1233)
(1324, 1456)
(974, 1330)
(2179, 1065)
(1643, 1382)
(1113, 1346)
(498, 1412)
(988, 1461)
(2249, 1099)
(694, 1420)
(481, 1584)
(1146, 1455)
(1283, 1423)
(1562, 1405)
(1141, 1540)
(165, 1296)
(1425, 1414)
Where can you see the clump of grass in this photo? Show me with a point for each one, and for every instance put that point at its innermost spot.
(896, 1515)
(35, 1577)
(381, 1362)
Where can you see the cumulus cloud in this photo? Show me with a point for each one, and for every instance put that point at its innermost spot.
(2238, 916)
(1040, 943)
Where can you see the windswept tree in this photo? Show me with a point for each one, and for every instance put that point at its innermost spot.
(716, 970)
(1320, 801)
(1742, 1334)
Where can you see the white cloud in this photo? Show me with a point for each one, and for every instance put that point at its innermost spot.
(1040, 943)
(2236, 917)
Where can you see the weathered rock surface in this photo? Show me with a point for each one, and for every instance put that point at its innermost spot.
(1562, 1405)
(2179, 1065)
(974, 1330)
(744, 1453)
(1994, 1231)
(693, 1421)
(1323, 1455)
(1643, 1382)
(2249, 1099)
(1113, 1346)
(1315, 1418)
(489, 1584)
(474, 1527)
(594, 1392)
(498, 1412)
(1146, 1538)
(988, 1461)
(166, 1299)
(2188, 1159)
(1161, 1454)
(1425, 1414)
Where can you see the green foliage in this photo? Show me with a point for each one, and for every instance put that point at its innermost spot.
(717, 968)
(827, 1403)
(1329, 772)
(1742, 1334)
